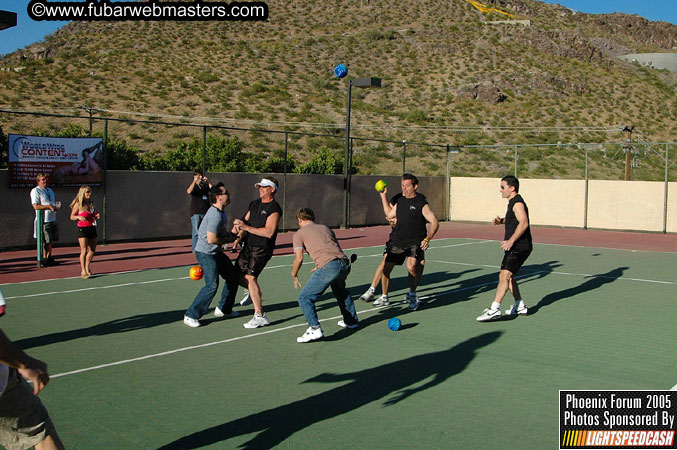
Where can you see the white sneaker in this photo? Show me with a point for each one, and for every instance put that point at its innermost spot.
(414, 302)
(257, 321)
(311, 334)
(489, 314)
(367, 296)
(515, 310)
(342, 324)
(219, 313)
(382, 301)
(193, 323)
(246, 300)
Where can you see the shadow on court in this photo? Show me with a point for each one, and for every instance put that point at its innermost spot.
(431, 284)
(595, 282)
(392, 382)
(100, 252)
(137, 322)
(470, 288)
(72, 259)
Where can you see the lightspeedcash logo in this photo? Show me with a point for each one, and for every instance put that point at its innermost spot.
(153, 10)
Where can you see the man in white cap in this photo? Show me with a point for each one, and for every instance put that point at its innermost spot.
(260, 223)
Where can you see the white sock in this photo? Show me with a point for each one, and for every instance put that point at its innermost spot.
(495, 306)
(371, 290)
(520, 303)
(412, 293)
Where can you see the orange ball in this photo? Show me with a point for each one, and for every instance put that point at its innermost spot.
(196, 273)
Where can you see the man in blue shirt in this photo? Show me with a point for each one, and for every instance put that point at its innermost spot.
(212, 235)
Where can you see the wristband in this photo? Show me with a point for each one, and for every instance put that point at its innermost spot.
(426, 239)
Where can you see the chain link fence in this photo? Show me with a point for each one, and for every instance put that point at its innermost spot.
(266, 149)
(159, 146)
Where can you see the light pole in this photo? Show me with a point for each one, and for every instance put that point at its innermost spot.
(91, 111)
(356, 82)
(628, 150)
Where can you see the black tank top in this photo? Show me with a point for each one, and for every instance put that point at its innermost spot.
(411, 224)
(524, 241)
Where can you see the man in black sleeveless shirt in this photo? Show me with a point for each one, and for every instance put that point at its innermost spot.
(517, 246)
(260, 224)
(409, 239)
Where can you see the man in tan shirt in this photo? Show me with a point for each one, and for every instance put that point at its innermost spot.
(331, 269)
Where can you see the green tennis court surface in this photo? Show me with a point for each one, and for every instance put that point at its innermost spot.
(128, 374)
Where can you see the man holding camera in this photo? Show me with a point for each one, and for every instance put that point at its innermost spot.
(199, 201)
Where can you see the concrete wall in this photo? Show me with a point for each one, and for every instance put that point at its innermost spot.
(616, 205)
(672, 208)
(154, 205)
(550, 202)
(667, 61)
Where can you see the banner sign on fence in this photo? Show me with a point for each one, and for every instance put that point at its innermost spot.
(617, 419)
(66, 161)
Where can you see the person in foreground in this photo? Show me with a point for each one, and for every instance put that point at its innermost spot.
(24, 420)
(331, 269)
(517, 246)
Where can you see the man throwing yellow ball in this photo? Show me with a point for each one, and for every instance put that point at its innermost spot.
(410, 239)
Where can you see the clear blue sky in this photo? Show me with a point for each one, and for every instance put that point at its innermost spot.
(665, 10)
(29, 31)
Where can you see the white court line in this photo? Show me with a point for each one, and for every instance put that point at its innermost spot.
(208, 344)
(452, 291)
(261, 333)
(642, 280)
(70, 291)
(554, 272)
(72, 278)
(98, 287)
(272, 267)
(674, 388)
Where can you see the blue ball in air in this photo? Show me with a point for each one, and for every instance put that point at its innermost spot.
(341, 71)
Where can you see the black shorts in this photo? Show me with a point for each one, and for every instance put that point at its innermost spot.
(87, 232)
(397, 255)
(252, 260)
(513, 260)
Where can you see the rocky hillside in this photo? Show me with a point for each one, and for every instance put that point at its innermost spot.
(451, 74)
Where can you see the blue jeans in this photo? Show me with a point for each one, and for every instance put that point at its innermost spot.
(333, 274)
(195, 221)
(212, 267)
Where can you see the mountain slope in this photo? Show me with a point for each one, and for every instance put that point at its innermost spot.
(444, 67)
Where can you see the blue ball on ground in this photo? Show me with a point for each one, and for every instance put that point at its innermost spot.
(394, 324)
